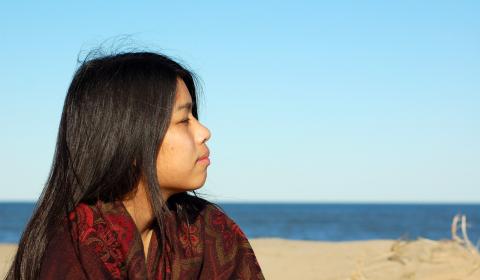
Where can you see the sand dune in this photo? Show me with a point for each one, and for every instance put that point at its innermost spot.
(358, 260)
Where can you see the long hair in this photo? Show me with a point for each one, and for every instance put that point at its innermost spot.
(116, 113)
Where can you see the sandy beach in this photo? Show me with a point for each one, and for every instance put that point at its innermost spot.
(6, 253)
(356, 260)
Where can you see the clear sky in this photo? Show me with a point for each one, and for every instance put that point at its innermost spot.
(334, 101)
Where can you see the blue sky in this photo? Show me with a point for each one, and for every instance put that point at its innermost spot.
(334, 101)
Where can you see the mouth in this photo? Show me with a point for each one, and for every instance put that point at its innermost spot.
(204, 158)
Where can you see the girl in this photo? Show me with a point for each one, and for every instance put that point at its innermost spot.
(116, 203)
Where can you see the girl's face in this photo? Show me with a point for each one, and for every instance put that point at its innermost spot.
(178, 167)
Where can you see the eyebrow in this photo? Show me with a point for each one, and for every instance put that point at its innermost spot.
(186, 106)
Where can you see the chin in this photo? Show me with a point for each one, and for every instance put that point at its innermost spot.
(197, 186)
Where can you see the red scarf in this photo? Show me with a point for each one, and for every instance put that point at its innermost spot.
(110, 247)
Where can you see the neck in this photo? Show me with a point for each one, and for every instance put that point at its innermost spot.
(138, 206)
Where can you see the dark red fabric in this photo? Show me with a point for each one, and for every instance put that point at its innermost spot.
(110, 247)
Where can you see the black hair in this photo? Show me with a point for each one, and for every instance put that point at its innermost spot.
(116, 113)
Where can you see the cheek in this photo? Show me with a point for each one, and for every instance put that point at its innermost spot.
(177, 155)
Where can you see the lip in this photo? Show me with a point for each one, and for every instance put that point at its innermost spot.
(204, 160)
(204, 156)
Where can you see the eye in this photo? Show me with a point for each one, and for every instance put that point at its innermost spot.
(186, 121)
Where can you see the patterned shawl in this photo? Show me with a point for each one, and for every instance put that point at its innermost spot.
(110, 247)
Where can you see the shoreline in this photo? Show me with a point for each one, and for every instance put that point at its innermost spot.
(356, 260)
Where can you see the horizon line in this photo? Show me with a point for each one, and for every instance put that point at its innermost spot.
(299, 201)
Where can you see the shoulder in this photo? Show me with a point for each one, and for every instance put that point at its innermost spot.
(206, 214)
(228, 246)
(63, 258)
(92, 239)
(218, 220)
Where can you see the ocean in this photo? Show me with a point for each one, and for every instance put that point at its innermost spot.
(323, 222)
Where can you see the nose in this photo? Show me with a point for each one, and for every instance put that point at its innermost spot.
(204, 133)
(207, 135)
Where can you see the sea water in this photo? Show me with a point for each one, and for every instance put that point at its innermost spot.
(313, 221)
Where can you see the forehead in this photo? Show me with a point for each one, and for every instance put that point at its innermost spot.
(182, 94)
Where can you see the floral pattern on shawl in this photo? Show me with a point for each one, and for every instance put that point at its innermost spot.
(212, 247)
